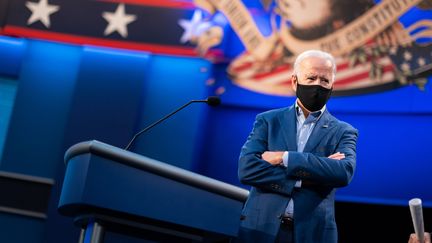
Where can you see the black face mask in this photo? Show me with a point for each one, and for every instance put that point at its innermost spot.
(313, 97)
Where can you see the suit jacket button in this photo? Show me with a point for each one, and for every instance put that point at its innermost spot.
(275, 186)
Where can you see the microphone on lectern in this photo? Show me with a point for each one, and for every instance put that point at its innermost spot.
(211, 101)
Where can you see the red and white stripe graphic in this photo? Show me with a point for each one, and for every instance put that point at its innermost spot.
(249, 74)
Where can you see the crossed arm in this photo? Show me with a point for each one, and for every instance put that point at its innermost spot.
(262, 168)
(275, 157)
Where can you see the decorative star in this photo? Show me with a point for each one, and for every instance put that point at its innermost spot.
(393, 50)
(421, 61)
(194, 27)
(118, 20)
(405, 67)
(407, 55)
(41, 12)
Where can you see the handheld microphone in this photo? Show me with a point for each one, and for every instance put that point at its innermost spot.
(211, 101)
(415, 206)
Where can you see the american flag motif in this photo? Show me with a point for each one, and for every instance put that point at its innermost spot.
(246, 72)
(394, 65)
(390, 59)
(167, 26)
(148, 25)
(413, 60)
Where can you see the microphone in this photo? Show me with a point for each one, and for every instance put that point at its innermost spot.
(211, 101)
(415, 206)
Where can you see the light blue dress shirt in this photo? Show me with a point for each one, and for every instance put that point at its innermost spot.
(305, 127)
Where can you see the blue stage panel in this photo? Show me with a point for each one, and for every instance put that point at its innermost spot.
(12, 52)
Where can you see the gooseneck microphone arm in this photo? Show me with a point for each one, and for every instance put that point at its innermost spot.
(212, 101)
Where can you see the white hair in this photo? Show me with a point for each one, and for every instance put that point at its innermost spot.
(315, 53)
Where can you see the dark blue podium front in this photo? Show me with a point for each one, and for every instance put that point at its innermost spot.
(110, 189)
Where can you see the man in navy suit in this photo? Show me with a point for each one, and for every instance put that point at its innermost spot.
(294, 159)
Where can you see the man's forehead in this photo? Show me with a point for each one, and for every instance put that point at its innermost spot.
(316, 68)
(315, 72)
(316, 62)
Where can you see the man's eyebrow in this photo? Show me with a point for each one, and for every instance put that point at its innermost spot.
(316, 75)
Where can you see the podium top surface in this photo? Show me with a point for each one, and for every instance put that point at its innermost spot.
(145, 163)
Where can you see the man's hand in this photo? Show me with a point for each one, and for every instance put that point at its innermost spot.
(413, 238)
(337, 156)
(273, 157)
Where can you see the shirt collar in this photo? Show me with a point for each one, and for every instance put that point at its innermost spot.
(316, 114)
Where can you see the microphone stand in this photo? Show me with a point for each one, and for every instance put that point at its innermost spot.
(161, 120)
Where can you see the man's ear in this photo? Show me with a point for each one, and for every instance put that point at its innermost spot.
(294, 81)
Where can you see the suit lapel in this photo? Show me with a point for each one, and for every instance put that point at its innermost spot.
(288, 124)
(320, 130)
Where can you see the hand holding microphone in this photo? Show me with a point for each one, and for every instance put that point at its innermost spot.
(413, 238)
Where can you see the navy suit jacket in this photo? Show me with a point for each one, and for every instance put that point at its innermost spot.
(273, 186)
